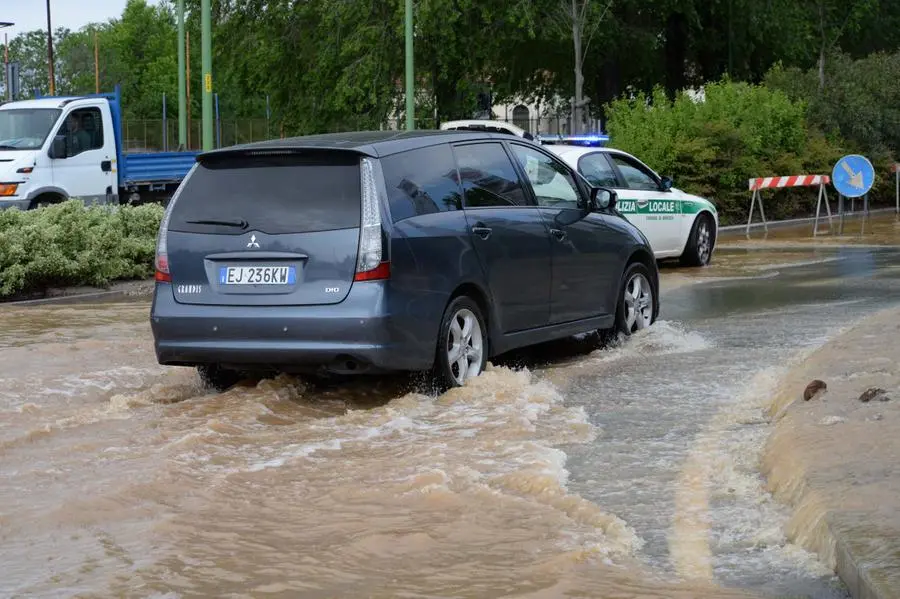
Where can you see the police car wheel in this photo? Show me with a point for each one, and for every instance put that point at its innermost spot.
(700, 243)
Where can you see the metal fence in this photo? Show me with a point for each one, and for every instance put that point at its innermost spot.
(156, 135)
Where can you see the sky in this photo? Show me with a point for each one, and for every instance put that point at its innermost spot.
(74, 14)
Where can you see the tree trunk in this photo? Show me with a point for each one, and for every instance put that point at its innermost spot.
(822, 68)
(676, 53)
(579, 76)
(823, 47)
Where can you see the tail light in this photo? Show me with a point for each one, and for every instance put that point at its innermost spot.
(162, 254)
(369, 262)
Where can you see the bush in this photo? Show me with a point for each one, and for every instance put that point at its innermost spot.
(860, 100)
(714, 146)
(70, 244)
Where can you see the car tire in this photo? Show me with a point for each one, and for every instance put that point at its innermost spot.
(462, 345)
(636, 306)
(698, 251)
(217, 378)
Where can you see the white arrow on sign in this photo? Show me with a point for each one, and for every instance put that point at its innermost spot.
(856, 179)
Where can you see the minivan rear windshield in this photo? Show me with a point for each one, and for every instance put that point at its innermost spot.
(293, 193)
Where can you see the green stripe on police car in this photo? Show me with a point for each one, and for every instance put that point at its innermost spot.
(647, 206)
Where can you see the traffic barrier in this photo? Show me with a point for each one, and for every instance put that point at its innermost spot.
(758, 184)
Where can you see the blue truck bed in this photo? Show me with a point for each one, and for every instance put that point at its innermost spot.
(155, 168)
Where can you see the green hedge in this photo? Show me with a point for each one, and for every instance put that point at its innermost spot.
(713, 147)
(70, 244)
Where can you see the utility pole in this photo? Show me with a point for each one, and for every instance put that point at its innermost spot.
(6, 73)
(206, 58)
(182, 98)
(410, 77)
(96, 63)
(50, 49)
(6, 66)
(187, 43)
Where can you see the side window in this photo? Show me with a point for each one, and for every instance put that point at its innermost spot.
(552, 183)
(597, 170)
(83, 130)
(635, 175)
(488, 177)
(421, 182)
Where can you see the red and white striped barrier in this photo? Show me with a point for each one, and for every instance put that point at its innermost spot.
(760, 183)
(791, 181)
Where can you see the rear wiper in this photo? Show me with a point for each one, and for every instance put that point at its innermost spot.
(224, 223)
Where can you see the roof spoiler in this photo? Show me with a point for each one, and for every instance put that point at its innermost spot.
(252, 150)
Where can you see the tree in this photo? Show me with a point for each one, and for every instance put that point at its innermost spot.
(29, 49)
(582, 18)
(835, 19)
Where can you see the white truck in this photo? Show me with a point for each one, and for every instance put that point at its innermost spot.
(56, 148)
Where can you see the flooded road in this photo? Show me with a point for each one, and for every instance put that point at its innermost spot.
(625, 472)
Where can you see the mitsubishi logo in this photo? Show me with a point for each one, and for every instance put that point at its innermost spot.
(252, 243)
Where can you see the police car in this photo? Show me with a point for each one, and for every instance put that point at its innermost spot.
(677, 224)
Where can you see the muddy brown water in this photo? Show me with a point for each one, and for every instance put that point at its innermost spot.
(611, 473)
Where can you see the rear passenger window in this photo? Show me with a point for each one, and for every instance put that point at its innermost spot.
(488, 176)
(421, 182)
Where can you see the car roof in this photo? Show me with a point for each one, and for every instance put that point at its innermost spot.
(370, 143)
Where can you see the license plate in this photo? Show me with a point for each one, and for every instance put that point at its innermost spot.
(257, 275)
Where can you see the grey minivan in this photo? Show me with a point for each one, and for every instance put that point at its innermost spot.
(385, 251)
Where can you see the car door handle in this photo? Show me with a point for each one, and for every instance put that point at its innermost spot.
(106, 166)
(482, 231)
(559, 234)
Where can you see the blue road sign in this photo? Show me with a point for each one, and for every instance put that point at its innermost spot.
(853, 176)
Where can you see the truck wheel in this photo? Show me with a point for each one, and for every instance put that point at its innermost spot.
(43, 201)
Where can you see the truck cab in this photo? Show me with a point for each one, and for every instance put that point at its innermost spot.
(54, 148)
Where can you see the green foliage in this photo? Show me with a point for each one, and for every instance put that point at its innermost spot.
(713, 147)
(338, 64)
(860, 102)
(70, 244)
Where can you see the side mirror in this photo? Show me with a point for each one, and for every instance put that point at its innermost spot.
(603, 198)
(667, 183)
(58, 147)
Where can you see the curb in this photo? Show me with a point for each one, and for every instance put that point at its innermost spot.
(75, 298)
(857, 579)
(850, 537)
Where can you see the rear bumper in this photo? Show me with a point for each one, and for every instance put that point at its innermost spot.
(356, 336)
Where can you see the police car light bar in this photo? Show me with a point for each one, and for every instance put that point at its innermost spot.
(581, 140)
